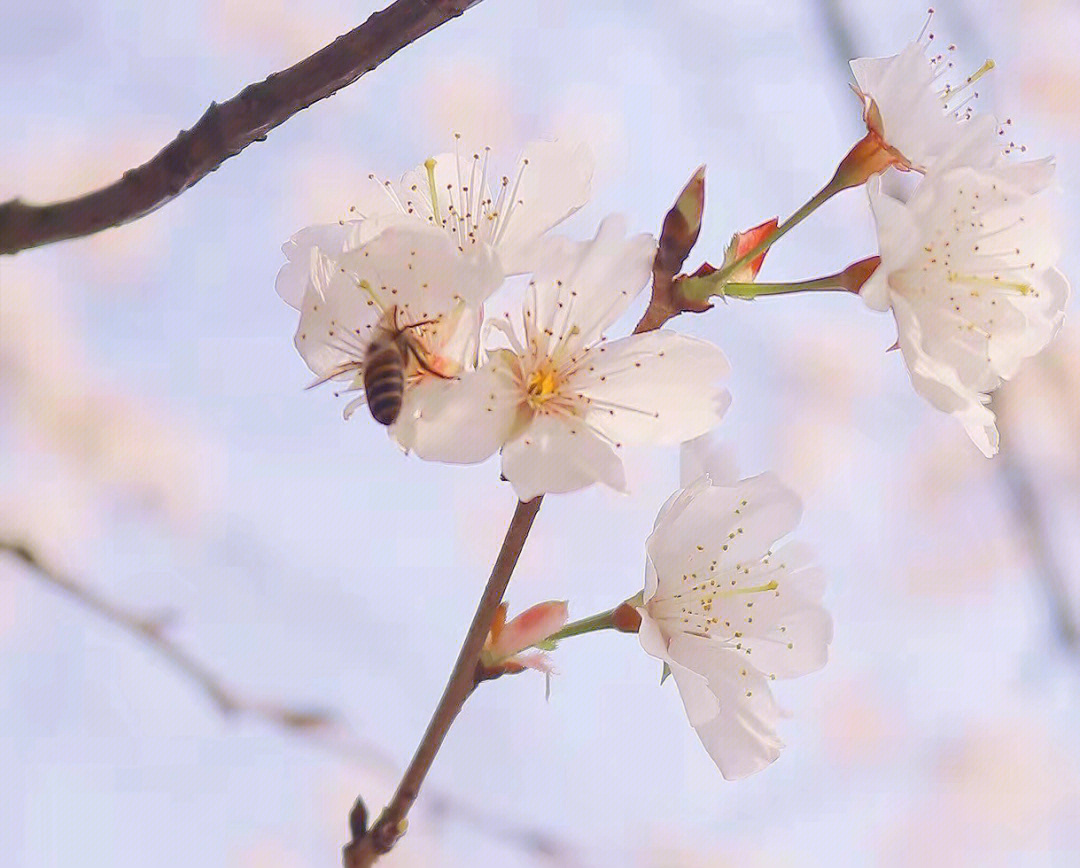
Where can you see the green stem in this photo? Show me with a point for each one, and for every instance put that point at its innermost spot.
(753, 290)
(816, 201)
(601, 621)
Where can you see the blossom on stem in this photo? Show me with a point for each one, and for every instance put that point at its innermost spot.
(916, 118)
(435, 293)
(560, 401)
(507, 640)
(727, 614)
(967, 268)
(461, 194)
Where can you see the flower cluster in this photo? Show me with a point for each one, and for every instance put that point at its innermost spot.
(417, 269)
(968, 254)
(405, 304)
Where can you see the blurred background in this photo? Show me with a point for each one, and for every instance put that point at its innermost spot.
(158, 447)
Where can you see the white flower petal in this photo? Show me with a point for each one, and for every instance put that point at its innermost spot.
(707, 455)
(657, 387)
(967, 267)
(294, 277)
(555, 454)
(741, 736)
(555, 182)
(915, 120)
(460, 421)
(579, 289)
(732, 527)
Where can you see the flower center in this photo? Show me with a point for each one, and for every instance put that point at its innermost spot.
(541, 386)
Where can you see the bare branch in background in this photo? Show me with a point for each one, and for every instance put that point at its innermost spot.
(226, 129)
(152, 630)
(321, 728)
(1028, 511)
(838, 29)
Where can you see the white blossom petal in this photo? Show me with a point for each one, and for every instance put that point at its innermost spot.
(917, 114)
(581, 288)
(414, 268)
(967, 266)
(555, 182)
(657, 387)
(729, 526)
(460, 421)
(295, 276)
(741, 736)
(709, 456)
(727, 614)
(556, 455)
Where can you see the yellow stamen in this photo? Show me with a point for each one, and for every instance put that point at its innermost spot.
(541, 386)
(429, 165)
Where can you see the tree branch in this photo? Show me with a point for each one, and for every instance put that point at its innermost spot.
(1028, 512)
(153, 631)
(226, 129)
(678, 235)
(368, 845)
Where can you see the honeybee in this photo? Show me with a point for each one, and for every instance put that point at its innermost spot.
(383, 364)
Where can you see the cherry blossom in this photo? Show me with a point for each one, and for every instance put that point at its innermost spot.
(461, 193)
(967, 268)
(913, 113)
(727, 614)
(561, 401)
(508, 641)
(416, 272)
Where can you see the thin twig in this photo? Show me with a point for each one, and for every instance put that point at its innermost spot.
(1027, 510)
(368, 844)
(677, 237)
(316, 727)
(153, 631)
(226, 129)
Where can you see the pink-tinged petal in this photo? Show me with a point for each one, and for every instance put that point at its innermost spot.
(537, 661)
(743, 242)
(533, 625)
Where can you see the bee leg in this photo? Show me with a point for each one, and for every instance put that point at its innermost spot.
(420, 361)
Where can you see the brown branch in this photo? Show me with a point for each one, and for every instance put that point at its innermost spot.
(226, 129)
(1028, 512)
(368, 845)
(153, 632)
(320, 728)
(677, 237)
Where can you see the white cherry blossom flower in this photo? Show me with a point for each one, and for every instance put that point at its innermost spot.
(417, 272)
(461, 193)
(727, 614)
(967, 268)
(561, 400)
(915, 115)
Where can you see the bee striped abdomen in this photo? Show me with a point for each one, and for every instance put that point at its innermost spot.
(384, 380)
